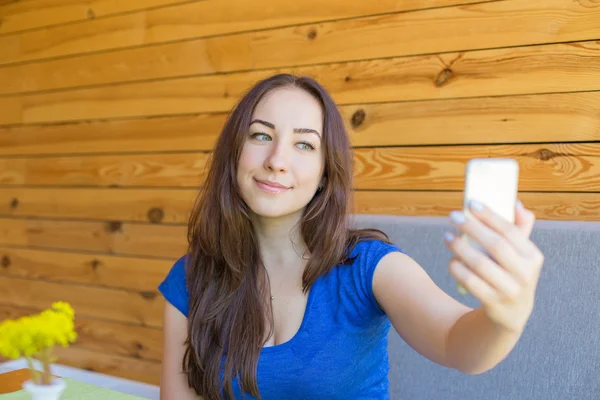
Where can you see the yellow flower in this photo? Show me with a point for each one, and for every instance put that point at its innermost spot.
(31, 335)
(64, 307)
(8, 331)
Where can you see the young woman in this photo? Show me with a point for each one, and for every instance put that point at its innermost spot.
(278, 298)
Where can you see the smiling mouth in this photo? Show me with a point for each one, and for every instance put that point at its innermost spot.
(270, 187)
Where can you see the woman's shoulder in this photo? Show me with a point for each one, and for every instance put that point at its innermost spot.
(177, 271)
(372, 248)
(174, 285)
(353, 279)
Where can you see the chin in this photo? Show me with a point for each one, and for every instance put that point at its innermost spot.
(271, 208)
(267, 211)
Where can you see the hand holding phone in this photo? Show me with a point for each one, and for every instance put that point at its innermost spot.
(494, 183)
(504, 279)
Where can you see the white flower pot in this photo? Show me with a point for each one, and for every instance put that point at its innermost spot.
(45, 392)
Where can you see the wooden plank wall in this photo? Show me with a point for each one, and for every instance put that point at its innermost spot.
(109, 111)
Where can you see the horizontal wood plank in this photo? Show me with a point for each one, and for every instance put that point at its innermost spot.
(141, 308)
(551, 206)
(142, 205)
(115, 365)
(131, 170)
(533, 118)
(170, 241)
(164, 134)
(500, 72)
(20, 15)
(135, 273)
(498, 24)
(188, 21)
(105, 336)
(111, 237)
(544, 167)
(514, 119)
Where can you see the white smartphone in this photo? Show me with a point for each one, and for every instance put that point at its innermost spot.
(493, 182)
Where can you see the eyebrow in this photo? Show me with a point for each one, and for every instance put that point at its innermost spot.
(296, 130)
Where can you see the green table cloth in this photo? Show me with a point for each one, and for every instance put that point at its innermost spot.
(77, 391)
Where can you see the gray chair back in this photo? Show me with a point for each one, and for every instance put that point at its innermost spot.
(558, 356)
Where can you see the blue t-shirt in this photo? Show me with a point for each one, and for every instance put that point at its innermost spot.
(340, 350)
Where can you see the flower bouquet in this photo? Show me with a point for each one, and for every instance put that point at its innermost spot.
(34, 338)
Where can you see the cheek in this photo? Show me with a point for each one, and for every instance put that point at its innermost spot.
(249, 160)
(309, 172)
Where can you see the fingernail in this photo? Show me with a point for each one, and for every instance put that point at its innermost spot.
(475, 205)
(448, 237)
(458, 217)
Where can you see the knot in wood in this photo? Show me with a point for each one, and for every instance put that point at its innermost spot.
(312, 34)
(148, 295)
(156, 215)
(114, 226)
(14, 203)
(95, 264)
(358, 118)
(545, 154)
(443, 77)
(5, 261)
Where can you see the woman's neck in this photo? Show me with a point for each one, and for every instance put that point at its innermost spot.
(280, 242)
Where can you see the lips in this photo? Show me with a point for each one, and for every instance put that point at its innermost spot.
(271, 187)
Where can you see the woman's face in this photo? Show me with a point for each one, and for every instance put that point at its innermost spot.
(282, 161)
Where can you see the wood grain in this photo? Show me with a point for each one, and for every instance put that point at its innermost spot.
(525, 70)
(141, 308)
(12, 381)
(170, 242)
(546, 206)
(20, 15)
(105, 336)
(126, 367)
(135, 273)
(543, 167)
(164, 134)
(569, 117)
(142, 205)
(129, 170)
(498, 24)
(188, 21)
(111, 237)
(513, 119)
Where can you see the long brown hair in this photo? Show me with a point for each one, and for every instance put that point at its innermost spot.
(225, 275)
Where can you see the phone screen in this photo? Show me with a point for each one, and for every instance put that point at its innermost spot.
(494, 183)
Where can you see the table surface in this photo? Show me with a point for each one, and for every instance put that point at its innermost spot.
(11, 386)
(13, 380)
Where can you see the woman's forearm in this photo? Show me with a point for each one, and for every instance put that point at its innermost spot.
(475, 344)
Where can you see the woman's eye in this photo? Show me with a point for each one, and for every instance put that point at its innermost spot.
(306, 146)
(261, 136)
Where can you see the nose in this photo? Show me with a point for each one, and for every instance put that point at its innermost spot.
(278, 158)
